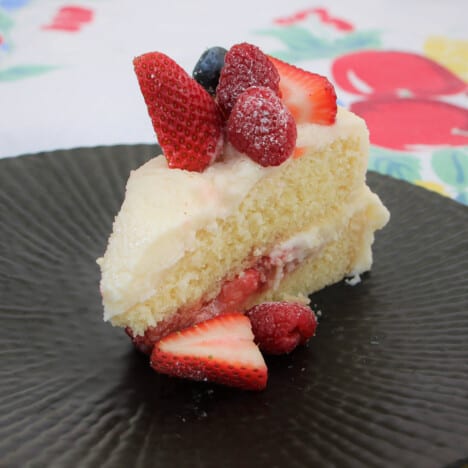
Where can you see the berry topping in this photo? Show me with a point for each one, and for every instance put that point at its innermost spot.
(220, 350)
(310, 97)
(208, 68)
(185, 117)
(235, 292)
(245, 66)
(262, 127)
(281, 326)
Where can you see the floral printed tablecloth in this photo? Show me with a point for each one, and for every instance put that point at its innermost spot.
(66, 77)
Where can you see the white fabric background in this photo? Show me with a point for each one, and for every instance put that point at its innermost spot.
(92, 98)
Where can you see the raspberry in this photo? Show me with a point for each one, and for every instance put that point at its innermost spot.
(262, 127)
(245, 65)
(279, 327)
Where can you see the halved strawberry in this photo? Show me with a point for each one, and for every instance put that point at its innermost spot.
(185, 117)
(219, 350)
(310, 97)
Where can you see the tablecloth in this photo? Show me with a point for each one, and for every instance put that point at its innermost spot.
(66, 77)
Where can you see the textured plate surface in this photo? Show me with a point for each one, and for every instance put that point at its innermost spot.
(384, 382)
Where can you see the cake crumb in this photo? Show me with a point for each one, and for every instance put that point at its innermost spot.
(300, 298)
(353, 280)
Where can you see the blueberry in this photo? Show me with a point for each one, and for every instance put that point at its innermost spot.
(208, 68)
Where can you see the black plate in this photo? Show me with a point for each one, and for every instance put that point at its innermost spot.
(384, 383)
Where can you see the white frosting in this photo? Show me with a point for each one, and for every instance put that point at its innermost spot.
(320, 136)
(164, 208)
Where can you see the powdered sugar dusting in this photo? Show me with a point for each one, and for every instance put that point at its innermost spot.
(262, 127)
(245, 66)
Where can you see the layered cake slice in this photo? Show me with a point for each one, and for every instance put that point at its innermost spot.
(259, 197)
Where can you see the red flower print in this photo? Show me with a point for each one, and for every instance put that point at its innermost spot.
(70, 18)
(392, 72)
(402, 105)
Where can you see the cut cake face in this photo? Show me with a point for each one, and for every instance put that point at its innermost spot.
(180, 235)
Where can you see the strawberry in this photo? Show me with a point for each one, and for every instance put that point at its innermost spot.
(219, 350)
(262, 127)
(235, 292)
(185, 117)
(245, 65)
(281, 326)
(310, 97)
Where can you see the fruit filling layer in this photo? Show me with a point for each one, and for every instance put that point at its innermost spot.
(266, 273)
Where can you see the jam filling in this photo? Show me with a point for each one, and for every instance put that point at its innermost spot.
(234, 295)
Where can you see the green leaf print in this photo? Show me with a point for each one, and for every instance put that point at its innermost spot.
(451, 165)
(6, 22)
(301, 44)
(23, 71)
(397, 164)
(462, 197)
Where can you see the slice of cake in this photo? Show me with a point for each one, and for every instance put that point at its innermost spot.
(259, 196)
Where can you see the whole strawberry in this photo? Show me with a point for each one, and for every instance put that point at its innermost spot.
(245, 65)
(279, 327)
(185, 117)
(262, 127)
